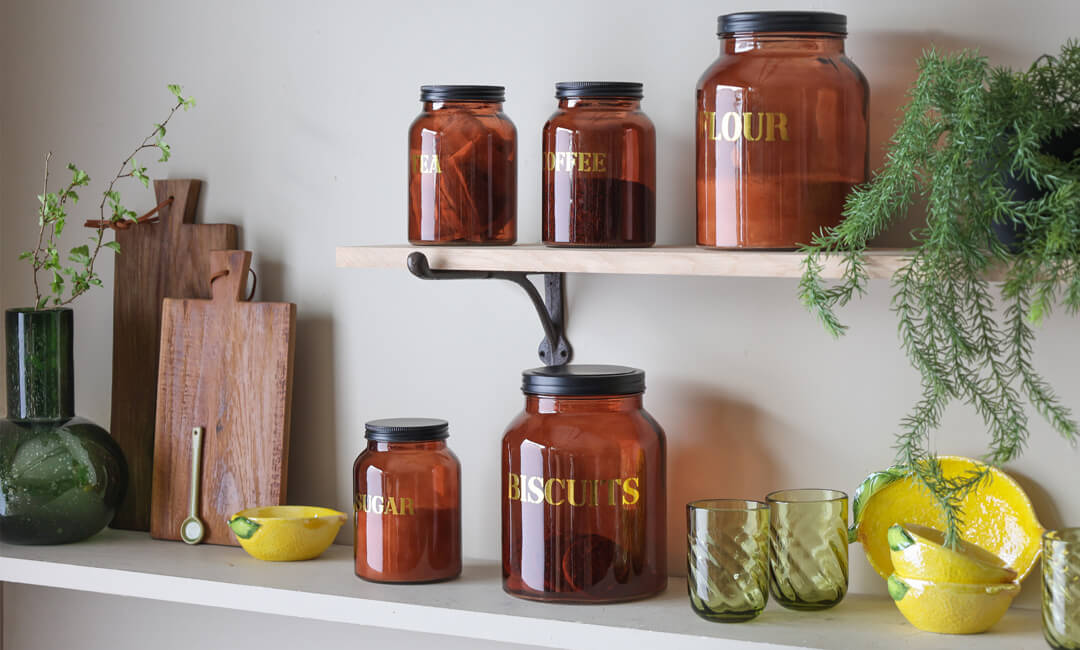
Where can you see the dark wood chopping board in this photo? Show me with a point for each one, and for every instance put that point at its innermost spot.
(226, 365)
(167, 259)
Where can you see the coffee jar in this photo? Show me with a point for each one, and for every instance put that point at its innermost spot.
(599, 162)
(584, 489)
(407, 503)
(781, 130)
(462, 168)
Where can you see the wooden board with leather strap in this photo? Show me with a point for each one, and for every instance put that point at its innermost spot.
(169, 258)
(226, 366)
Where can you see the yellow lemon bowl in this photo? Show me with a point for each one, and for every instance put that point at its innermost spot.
(919, 552)
(286, 533)
(951, 608)
(998, 516)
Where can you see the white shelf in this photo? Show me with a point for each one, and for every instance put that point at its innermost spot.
(658, 260)
(474, 606)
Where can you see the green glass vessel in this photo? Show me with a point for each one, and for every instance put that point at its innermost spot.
(1061, 588)
(61, 476)
(727, 558)
(808, 548)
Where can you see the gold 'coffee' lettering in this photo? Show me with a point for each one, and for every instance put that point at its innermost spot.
(426, 163)
(568, 161)
(383, 505)
(733, 125)
(573, 492)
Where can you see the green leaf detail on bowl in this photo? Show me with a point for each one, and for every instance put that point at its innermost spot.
(244, 527)
(897, 588)
(868, 488)
(899, 538)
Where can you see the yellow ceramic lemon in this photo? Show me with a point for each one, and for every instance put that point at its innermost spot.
(919, 552)
(950, 608)
(286, 533)
(998, 516)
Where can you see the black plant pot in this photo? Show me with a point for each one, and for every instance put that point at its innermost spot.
(1063, 147)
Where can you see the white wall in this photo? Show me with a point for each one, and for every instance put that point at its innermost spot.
(299, 134)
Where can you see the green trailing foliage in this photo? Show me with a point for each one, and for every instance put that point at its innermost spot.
(70, 277)
(966, 124)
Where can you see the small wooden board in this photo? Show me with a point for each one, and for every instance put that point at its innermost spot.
(227, 366)
(167, 259)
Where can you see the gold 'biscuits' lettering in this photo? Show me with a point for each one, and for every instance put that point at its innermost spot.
(575, 493)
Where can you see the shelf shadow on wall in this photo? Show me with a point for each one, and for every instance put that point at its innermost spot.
(312, 431)
(889, 60)
(719, 451)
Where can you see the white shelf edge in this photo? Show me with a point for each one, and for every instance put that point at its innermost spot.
(130, 564)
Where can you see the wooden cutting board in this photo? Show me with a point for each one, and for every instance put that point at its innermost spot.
(168, 259)
(227, 366)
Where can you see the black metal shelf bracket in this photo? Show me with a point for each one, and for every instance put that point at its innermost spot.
(554, 350)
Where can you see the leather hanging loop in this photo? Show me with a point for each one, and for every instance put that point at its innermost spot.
(151, 216)
(254, 281)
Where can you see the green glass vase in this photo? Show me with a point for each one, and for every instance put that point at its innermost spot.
(61, 476)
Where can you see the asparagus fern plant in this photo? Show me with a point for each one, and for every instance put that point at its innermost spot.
(965, 126)
(78, 276)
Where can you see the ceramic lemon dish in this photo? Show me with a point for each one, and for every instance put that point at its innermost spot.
(286, 533)
(998, 516)
(919, 552)
(949, 607)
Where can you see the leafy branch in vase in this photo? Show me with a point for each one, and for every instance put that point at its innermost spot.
(80, 275)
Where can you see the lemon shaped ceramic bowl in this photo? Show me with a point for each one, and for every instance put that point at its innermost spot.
(949, 607)
(919, 552)
(286, 533)
(998, 516)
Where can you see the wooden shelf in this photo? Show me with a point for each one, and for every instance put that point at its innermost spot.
(659, 260)
(474, 606)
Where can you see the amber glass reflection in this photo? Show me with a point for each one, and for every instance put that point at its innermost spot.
(583, 500)
(462, 174)
(599, 174)
(781, 139)
(407, 512)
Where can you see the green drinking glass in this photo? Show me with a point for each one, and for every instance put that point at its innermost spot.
(1061, 588)
(727, 558)
(808, 548)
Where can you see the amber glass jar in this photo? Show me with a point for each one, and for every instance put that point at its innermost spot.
(407, 503)
(781, 130)
(462, 168)
(599, 167)
(583, 489)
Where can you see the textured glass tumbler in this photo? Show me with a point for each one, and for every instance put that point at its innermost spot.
(808, 548)
(1061, 588)
(727, 558)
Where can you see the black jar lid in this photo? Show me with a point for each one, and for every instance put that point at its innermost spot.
(453, 93)
(583, 380)
(407, 430)
(782, 21)
(572, 89)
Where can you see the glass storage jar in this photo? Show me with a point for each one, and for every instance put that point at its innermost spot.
(462, 168)
(599, 167)
(781, 130)
(407, 503)
(583, 489)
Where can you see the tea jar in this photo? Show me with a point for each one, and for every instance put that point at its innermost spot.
(462, 168)
(782, 130)
(407, 502)
(599, 161)
(583, 489)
